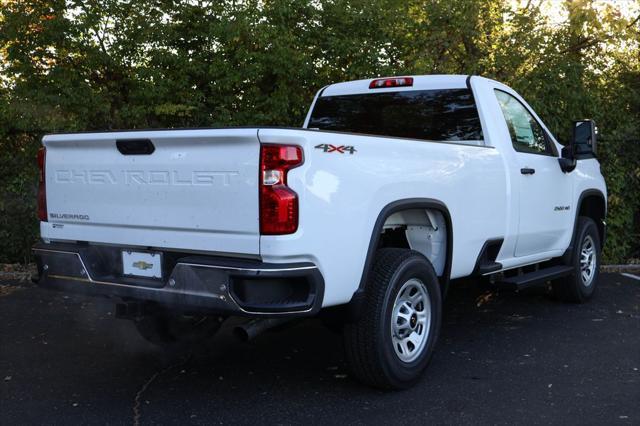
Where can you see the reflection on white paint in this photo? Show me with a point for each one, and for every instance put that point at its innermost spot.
(323, 185)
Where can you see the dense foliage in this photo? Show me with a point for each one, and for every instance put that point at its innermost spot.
(108, 64)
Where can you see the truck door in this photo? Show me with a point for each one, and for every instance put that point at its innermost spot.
(545, 209)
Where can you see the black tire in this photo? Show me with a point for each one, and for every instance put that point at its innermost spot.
(574, 288)
(369, 344)
(172, 330)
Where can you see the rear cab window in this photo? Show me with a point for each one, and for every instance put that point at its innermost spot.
(441, 115)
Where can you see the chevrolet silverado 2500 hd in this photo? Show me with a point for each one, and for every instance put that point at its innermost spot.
(393, 187)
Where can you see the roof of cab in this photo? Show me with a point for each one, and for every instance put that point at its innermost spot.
(420, 82)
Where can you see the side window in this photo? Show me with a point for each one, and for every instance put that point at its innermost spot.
(526, 134)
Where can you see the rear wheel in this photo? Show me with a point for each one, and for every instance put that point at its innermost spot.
(582, 284)
(168, 329)
(391, 343)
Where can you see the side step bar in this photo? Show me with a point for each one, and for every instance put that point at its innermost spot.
(488, 268)
(534, 278)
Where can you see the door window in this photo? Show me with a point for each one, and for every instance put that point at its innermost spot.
(526, 133)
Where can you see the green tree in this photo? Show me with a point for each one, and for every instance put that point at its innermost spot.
(71, 65)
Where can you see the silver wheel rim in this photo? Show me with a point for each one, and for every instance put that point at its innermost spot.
(411, 320)
(587, 261)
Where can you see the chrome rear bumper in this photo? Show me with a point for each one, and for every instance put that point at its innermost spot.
(195, 283)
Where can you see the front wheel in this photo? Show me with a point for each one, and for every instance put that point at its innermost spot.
(391, 343)
(582, 284)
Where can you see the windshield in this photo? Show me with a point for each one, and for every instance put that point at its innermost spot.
(436, 115)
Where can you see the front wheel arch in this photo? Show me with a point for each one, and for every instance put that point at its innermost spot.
(592, 204)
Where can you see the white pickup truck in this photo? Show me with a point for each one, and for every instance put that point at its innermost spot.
(392, 188)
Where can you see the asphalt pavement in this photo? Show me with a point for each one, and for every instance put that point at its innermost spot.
(503, 358)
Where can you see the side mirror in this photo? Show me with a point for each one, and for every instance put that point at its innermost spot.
(567, 160)
(584, 137)
(583, 141)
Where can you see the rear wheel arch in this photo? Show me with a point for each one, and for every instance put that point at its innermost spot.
(376, 235)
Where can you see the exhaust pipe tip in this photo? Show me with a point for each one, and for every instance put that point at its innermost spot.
(253, 328)
(241, 333)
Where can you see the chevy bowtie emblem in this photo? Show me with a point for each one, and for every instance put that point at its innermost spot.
(141, 264)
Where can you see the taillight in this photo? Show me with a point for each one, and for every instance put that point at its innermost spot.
(42, 193)
(278, 202)
(382, 83)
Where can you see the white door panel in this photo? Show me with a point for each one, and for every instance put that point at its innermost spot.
(545, 191)
(545, 204)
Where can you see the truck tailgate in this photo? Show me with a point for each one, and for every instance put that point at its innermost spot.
(197, 190)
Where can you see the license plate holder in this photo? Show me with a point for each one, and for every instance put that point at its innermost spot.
(142, 264)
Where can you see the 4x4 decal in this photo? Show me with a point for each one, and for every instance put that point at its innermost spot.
(339, 149)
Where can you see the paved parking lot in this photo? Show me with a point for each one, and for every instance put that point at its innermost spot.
(517, 358)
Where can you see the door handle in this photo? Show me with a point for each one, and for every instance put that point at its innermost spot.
(135, 146)
(527, 171)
